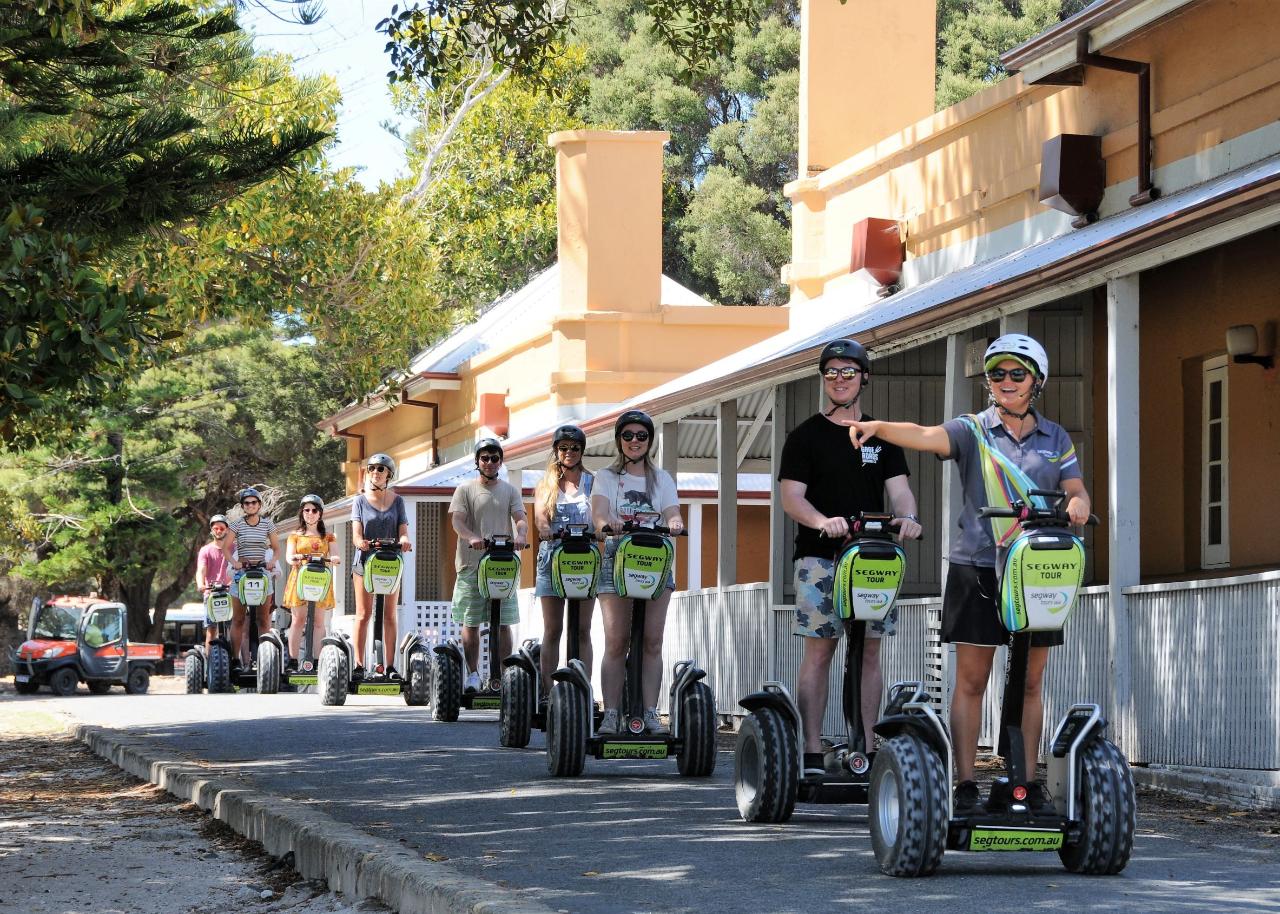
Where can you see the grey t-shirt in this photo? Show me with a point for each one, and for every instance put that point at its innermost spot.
(1046, 454)
(485, 510)
(380, 525)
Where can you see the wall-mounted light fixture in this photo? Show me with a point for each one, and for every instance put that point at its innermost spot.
(1243, 345)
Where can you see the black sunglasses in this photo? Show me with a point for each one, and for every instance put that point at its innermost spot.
(251, 501)
(568, 449)
(1017, 374)
(490, 458)
(310, 509)
(844, 374)
(634, 436)
(377, 468)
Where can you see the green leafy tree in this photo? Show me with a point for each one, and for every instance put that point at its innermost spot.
(125, 507)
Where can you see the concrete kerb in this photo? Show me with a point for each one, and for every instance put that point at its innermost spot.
(348, 860)
(1241, 788)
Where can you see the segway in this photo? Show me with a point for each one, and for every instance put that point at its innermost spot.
(313, 582)
(382, 571)
(212, 670)
(642, 563)
(498, 576)
(768, 762)
(1092, 820)
(575, 571)
(254, 589)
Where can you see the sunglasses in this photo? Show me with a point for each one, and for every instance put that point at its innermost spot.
(634, 436)
(490, 458)
(377, 468)
(1018, 375)
(844, 374)
(568, 449)
(310, 510)
(251, 501)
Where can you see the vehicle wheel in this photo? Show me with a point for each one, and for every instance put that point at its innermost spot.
(139, 681)
(566, 731)
(194, 672)
(219, 669)
(766, 770)
(419, 684)
(698, 729)
(515, 717)
(268, 668)
(1107, 809)
(907, 807)
(64, 681)
(334, 675)
(99, 686)
(26, 688)
(446, 687)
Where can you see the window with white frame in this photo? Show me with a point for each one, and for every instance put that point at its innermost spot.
(1214, 478)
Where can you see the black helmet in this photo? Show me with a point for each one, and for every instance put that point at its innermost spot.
(219, 519)
(312, 500)
(383, 460)
(488, 444)
(569, 433)
(250, 492)
(844, 349)
(632, 417)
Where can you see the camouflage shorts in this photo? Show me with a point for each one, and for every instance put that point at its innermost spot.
(815, 612)
(470, 607)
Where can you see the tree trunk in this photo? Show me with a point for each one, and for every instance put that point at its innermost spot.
(136, 594)
(160, 606)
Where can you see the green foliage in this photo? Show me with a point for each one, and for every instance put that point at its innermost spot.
(430, 42)
(972, 34)
(127, 501)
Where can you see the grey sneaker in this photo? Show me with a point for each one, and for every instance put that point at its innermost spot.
(653, 723)
(608, 723)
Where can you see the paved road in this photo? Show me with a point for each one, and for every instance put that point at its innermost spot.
(635, 836)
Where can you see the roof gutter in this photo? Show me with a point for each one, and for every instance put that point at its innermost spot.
(377, 403)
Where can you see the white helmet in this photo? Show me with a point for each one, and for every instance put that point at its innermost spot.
(1020, 347)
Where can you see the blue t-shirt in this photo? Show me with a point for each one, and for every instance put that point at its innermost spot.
(380, 525)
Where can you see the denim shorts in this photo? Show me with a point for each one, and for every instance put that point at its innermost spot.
(606, 569)
(542, 579)
(815, 610)
(236, 575)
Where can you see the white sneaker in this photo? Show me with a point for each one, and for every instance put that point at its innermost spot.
(653, 723)
(473, 683)
(608, 723)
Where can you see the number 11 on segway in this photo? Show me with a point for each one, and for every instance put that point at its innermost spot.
(769, 758)
(1091, 820)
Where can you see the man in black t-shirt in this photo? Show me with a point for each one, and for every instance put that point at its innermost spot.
(824, 480)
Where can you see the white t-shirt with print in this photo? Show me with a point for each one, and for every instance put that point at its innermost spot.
(628, 495)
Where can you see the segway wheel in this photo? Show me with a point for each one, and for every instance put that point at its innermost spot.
(766, 767)
(193, 669)
(139, 681)
(446, 688)
(907, 807)
(268, 668)
(515, 717)
(99, 686)
(219, 669)
(566, 731)
(1108, 811)
(698, 730)
(418, 691)
(334, 675)
(64, 681)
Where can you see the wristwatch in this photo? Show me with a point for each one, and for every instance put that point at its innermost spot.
(909, 517)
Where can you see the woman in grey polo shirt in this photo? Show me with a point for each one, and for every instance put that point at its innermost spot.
(1039, 452)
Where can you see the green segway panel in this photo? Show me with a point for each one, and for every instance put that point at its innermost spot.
(217, 607)
(254, 587)
(641, 565)
(1043, 571)
(382, 572)
(498, 574)
(868, 576)
(575, 570)
(313, 582)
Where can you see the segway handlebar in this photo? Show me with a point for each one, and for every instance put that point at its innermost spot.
(304, 558)
(873, 524)
(631, 526)
(379, 545)
(580, 532)
(500, 541)
(1054, 515)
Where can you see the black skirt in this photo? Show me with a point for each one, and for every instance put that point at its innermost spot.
(971, 610)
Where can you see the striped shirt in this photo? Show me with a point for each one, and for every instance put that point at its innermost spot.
(252, 539)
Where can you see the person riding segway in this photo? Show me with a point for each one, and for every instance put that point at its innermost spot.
(488, 516)
(209, 666)
(245, 547)
(311, 554)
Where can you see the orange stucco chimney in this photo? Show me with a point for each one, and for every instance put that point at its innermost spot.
(866, 72)
(609, 206)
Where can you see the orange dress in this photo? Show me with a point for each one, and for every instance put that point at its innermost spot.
(304, 544)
